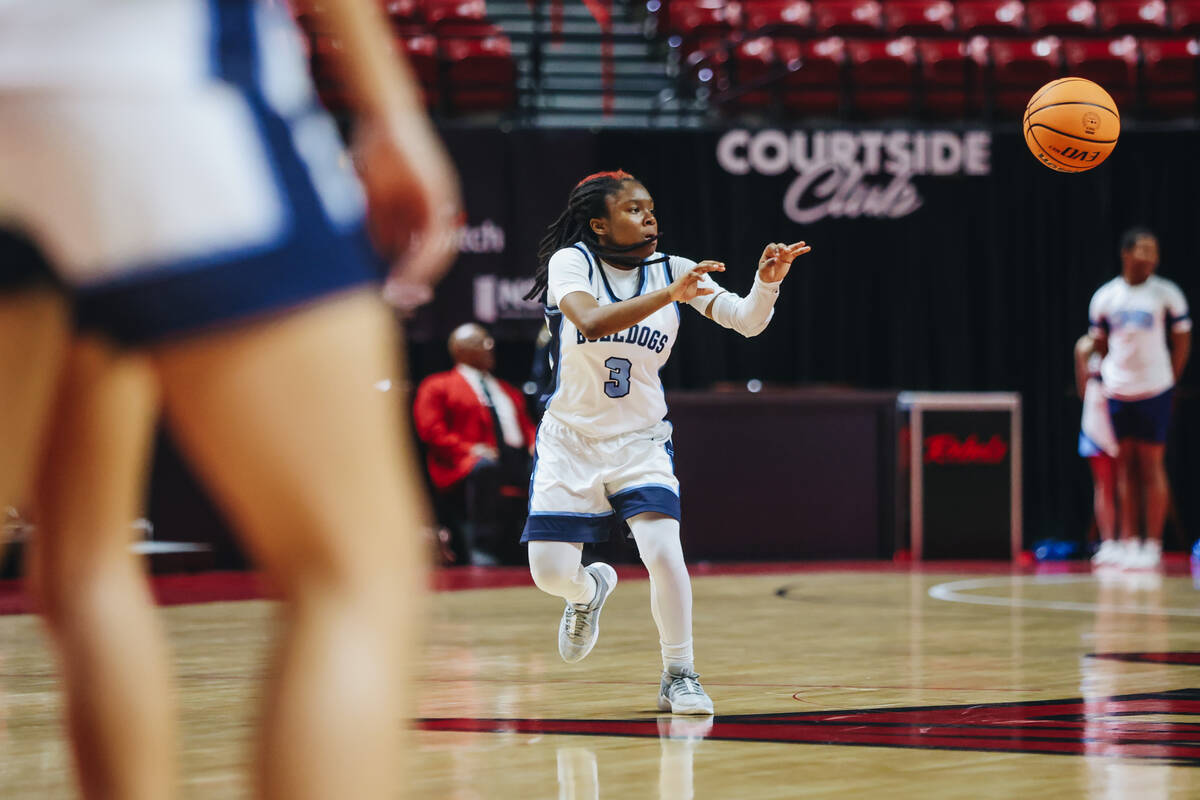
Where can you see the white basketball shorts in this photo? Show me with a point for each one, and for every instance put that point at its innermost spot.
(581, 486)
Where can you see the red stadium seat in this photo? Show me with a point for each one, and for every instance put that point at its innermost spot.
(440, 12)
(711, 54)
(947, 76)
(480, 72)
(1185, 16)
(812, 83)
(422, 55)
(750, 69)
(1132, 16)
(991, 16)
(1003, 17)
(1020, 67)
(1112, 63)
(777, 16)
(696, 20)
(1169, 75)
(404, 13)
(918, 17)
(1070, 17)
(882, 76)
(848, 17)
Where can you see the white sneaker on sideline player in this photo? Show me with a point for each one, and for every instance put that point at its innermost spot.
(581, 622)
(1126, 549)
(1146, 556)
(1109, 554)
(680, 692)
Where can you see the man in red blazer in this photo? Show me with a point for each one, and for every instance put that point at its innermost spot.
(478, 436)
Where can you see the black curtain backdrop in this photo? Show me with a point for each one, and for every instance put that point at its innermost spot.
(984, 287)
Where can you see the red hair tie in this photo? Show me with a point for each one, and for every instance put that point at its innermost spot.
(617, 175)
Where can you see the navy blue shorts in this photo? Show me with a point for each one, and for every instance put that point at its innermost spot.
(1145, 420)
(206, 203)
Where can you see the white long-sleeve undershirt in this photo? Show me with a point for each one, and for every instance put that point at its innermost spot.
(747, 315)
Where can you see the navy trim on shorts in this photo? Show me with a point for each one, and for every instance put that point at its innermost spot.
(640, 499)
(186, 301)
(1145, 420)
(313, 257)
(567, 528)
(22, 265)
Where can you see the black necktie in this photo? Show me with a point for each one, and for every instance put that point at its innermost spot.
(513, 460)
(491, 407)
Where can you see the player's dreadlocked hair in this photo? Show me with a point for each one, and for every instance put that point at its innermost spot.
(586, 201)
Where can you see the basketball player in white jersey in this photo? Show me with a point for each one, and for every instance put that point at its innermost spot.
(1098, 444)
(202, 244)
(603, 449)
(1131, 318)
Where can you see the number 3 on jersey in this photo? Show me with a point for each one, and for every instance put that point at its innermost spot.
(617, 384)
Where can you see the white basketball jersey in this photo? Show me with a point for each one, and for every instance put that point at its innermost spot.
(1137, 319)
(609, 386)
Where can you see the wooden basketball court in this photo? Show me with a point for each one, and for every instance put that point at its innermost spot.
(852, 680)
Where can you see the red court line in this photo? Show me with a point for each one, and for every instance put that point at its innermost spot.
(209, 587)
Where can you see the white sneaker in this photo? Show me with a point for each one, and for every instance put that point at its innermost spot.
(1146, 556)
(680, 692)
(1109, 554)
(581, 621)
(1126, 549)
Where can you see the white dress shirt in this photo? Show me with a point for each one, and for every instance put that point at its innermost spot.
(510, 426)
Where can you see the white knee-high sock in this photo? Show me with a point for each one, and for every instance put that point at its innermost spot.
(654, 612)
(557, 570)
(657, 538)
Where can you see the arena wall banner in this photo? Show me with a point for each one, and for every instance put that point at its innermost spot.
(944, 259)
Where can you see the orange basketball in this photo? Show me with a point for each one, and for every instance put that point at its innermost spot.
(1071, 124)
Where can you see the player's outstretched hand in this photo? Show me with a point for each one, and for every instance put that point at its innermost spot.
(414, 206)
(687, 286)
(777, 259)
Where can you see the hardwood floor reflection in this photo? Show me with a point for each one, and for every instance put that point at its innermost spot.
(828, 682)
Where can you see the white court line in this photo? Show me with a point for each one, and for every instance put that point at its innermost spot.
(954, 592)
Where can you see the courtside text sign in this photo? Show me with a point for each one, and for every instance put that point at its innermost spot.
(854, 173)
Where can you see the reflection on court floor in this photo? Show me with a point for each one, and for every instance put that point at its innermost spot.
(959, 680)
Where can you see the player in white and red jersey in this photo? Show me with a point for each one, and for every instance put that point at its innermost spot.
(1098, 444)
(604, 449)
